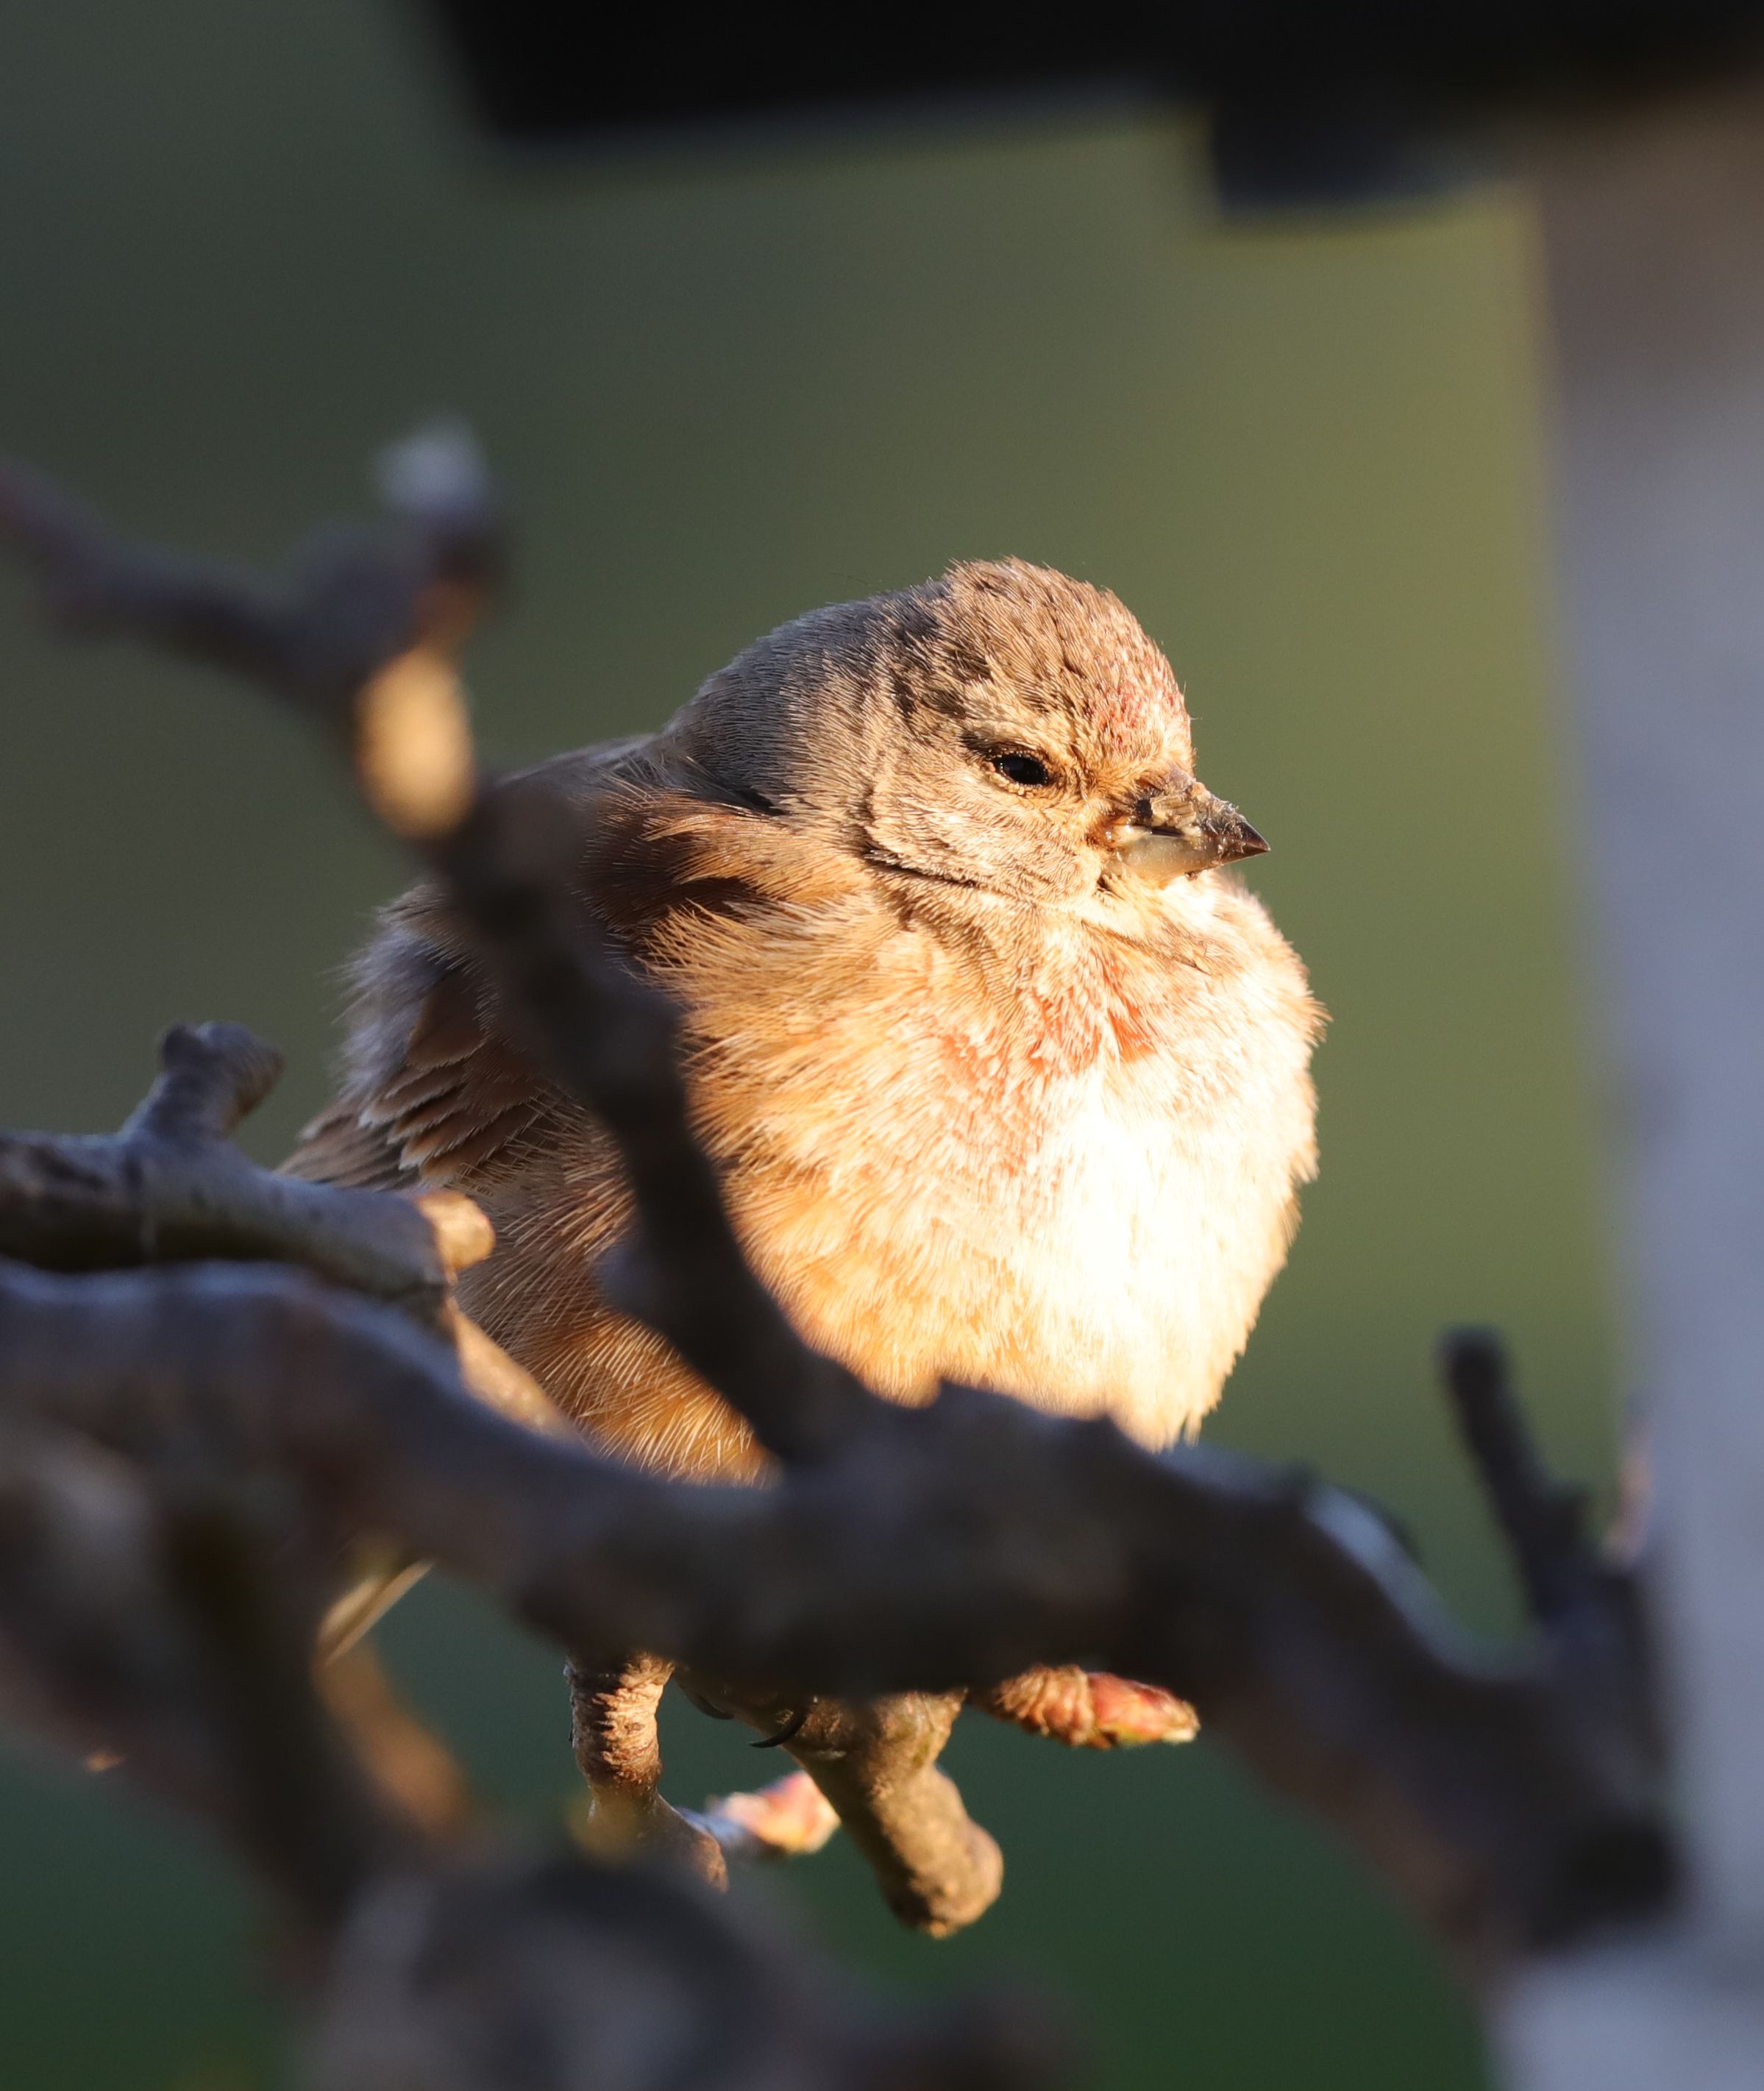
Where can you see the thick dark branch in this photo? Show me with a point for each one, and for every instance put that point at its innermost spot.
(144, 1621)
(161, 1632)
(560, 1975)
(305, 1812)
(171, 1188)
(964, 1541)
(90, 1654)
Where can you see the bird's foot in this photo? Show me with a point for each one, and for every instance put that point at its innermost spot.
(1089, 1709)
(623, 1815)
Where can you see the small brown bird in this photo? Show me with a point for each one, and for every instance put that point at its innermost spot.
(1005, 1074)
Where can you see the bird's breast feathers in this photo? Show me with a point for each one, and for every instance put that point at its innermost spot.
(1026, 1150)
(1053, 1152)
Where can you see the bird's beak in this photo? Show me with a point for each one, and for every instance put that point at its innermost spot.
(1182, 830)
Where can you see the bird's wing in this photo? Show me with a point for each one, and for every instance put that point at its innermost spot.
(337, 1148)
(437, 1092)
(434, 1091)
(455, 1101)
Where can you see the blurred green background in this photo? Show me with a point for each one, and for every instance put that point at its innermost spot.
(240, 246)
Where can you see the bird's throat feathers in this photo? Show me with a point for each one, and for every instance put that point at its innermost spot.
(817, 972)
(1049, 991)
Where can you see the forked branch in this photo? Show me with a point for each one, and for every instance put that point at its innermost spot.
(964, 1541)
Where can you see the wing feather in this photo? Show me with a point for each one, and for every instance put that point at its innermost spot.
(337, 1148)
(435, 1093)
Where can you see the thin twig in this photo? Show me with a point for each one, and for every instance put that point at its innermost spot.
(1584, 1598)
(1544, 1520)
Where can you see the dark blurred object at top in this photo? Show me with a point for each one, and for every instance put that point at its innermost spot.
(1309, 99)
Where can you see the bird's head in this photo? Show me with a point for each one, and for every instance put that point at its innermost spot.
(1002, 727)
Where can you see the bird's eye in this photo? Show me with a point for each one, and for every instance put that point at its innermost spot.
(1022, 768)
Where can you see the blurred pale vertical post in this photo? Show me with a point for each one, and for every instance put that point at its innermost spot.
(1653, 233)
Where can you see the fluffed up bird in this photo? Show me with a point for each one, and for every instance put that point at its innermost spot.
(1005, 1073)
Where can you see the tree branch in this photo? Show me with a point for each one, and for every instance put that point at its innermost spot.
(1584, 1600)
(170, 1187)
(141, 1619)
(564, 1977)
(1511, 1805)
(964, 1541)
(160, 1626)
(1543, 1519)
